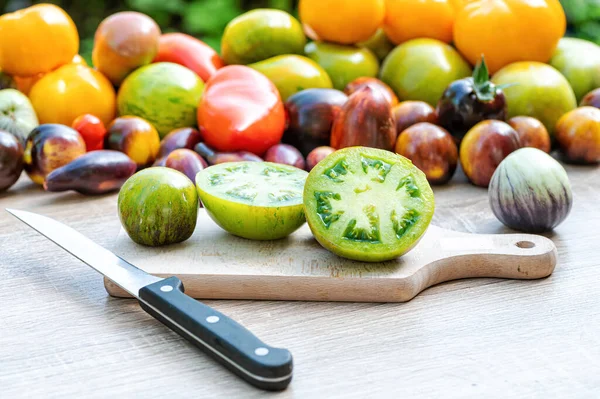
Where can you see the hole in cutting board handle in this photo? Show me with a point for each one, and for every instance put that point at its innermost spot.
(525, 244)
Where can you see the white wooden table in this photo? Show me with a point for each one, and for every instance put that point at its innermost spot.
(61, 335)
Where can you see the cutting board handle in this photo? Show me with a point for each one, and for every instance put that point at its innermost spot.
(463, 255)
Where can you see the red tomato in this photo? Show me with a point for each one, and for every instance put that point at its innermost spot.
(190, 52)
(241, 110)
(92, 130)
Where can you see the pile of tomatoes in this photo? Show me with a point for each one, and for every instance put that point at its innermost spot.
(377, 73)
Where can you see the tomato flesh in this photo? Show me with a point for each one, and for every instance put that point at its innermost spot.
(254, 200)
(367, 204)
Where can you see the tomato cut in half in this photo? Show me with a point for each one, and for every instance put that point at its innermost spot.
(254, 200)
(367, 204)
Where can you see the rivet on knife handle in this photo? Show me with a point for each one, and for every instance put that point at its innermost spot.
(225, 340)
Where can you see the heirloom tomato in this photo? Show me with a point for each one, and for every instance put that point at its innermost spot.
(72, 90)
(36, 40)
(341, 21)
(190, 52)
(92, 130)
(409, 19)
(530, 30)
(241, 110)
(123, 42)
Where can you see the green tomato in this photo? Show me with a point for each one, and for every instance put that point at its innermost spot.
(379, 44)
(254, 200)
(367, 204)
(421, 69)
(293, 73)
(343, 63)
(158, 206)
(164, 94)
(260, 34)
(579, 61)
(537, 90)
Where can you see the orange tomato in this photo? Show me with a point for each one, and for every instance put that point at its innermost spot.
(458, 4)
(507, 31)
(72, 90)
(36, 40)
(78, 60)
(25, 83)
(409, 19)
(341, 21)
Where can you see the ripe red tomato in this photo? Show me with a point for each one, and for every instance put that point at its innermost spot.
(92, 130)
(190, 52)
(241, 110)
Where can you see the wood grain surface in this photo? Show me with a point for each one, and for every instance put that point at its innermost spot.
(61, 335)
(217, 265)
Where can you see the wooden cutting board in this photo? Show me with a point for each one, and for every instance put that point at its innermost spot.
(215, 264)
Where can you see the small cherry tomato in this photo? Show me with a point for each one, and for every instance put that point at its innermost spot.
(92, 130)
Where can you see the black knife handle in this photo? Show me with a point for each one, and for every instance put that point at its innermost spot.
(225, 340)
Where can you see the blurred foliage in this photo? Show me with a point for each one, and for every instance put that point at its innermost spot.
(583, 18)
(204, 19)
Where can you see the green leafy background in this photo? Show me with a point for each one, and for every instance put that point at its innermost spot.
(206, 19)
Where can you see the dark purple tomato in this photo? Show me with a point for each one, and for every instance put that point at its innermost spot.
(591, 99)
(365, 120)
(317, 155)
(95, 172)
(409, 113)
(532, 132)
(431, 149)
(469, 101)
(375, 83)
(486, 145)
(160, 161)
(285, 154)
(185, 137)
(186, 161)
(310, 115)
(48, 147)
(11, 159)
(215, 158)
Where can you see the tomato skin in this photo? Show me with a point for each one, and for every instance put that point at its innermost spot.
(72, 90)
(190, 52)
(241, 110)
(92, 130)
(409, 19)
(36, 40)
(541, 22)
(341, 21)
(25, 83)
(123, 42)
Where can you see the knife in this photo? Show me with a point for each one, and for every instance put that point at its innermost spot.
(222, 338)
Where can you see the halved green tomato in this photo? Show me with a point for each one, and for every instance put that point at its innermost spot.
(255, 200)
(367, 204)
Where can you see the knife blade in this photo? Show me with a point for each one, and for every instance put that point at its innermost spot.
(220, 337)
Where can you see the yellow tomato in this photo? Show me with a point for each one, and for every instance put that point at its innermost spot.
(78, 60)
(72, 90)
(341, 21)
(25, 83)
(36, 40)
(507, 31)
(409, 19)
